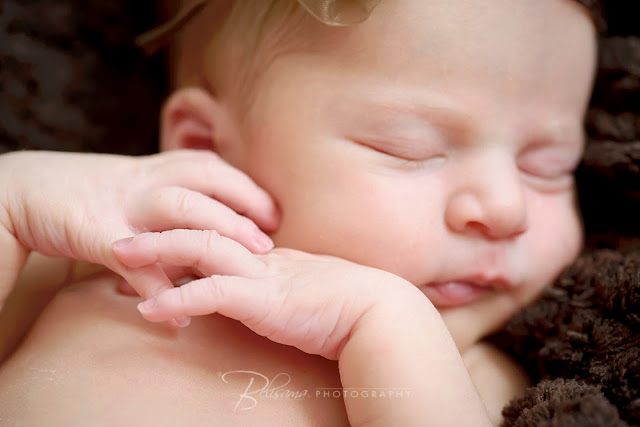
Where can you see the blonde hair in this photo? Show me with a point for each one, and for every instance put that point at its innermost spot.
(229, 41)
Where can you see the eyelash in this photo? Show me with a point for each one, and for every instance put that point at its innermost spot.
(547, 175)
(550, 181)
(558, 179)
(409, 164)
(398, 156)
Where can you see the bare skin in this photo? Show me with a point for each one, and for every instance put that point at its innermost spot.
(93, 328)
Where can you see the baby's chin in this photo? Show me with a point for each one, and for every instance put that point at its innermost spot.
(469, 324)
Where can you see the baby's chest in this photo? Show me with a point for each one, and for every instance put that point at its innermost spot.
(92, 357)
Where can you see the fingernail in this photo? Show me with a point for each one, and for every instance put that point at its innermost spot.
(182, 321)
(261, 241)
(146, 307)
(119, 244)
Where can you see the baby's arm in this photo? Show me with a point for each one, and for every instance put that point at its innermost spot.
(385, 333)
(405, 350)
(19, 313)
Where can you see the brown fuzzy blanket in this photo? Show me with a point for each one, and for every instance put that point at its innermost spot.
(71, 79)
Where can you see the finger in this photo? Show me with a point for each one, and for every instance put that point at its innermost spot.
(176, 207)
(205, 172)
(177, 276)
(150, 281)
(106, 256)
(207, 251)
(234, 297)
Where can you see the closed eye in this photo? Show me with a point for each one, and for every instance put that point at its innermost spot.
(549, 166)
(408, 151)
(403, 157)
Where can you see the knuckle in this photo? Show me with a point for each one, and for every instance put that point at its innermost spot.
(211, 239)
(175, 203)
(184, 203)
(207, 163)
(182, 297)
(214, 289)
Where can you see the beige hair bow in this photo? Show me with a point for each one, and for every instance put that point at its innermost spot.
(329, 12)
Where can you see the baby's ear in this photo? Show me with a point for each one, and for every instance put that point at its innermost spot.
(193, 118)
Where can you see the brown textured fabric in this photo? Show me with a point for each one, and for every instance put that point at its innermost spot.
(584, 328)
(566, 403)
(609, 177)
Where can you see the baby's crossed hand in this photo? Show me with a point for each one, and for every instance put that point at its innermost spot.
(76, 205)
(312, 302)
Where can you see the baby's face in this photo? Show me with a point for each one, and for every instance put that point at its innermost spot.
(437, 141)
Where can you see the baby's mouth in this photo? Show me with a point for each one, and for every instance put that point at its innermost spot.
(460, 292)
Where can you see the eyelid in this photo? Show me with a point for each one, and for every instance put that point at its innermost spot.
(550, 167)
(424, 151)
(550, 185)
(405, 139)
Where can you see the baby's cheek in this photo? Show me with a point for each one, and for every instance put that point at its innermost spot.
(558, 238)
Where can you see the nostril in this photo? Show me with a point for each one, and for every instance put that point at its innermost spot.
(500, 228)
(481, 229)
(478, 226)
(463, 213)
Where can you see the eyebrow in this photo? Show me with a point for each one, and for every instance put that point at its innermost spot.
(458, 123)
(434, 110)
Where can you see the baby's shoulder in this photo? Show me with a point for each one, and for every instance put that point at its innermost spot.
(39, 281)
(497, 377)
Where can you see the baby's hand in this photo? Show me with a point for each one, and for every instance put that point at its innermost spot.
(308, 301)
(76, 205)
(384, 332)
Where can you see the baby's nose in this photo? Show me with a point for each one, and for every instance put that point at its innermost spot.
(488, 199)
